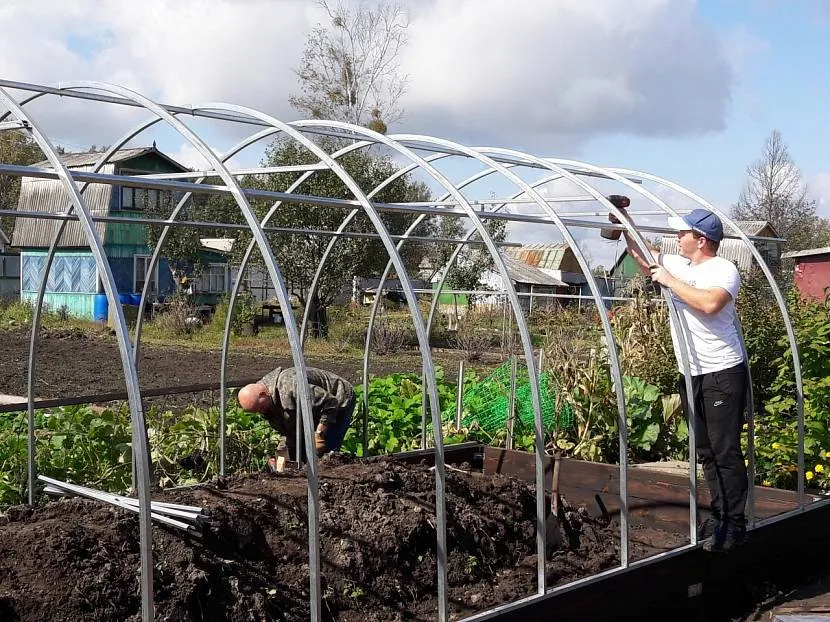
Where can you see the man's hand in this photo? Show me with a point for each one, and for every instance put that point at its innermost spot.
(660, 275)
(320, 440)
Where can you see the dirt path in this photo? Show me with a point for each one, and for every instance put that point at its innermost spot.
(74, 363)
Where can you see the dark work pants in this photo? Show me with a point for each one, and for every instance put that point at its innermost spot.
(720, 402)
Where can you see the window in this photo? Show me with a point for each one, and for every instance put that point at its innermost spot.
(213, 279)
(139, 198)
(10, 266)
(140, 265)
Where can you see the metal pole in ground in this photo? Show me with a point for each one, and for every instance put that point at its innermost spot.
(424, 406)
(511, 408)
(459, 401)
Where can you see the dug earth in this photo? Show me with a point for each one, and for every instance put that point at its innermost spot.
(78, 559)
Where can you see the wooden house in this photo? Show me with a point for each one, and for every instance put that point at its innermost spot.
(811, 273)
(74, 282)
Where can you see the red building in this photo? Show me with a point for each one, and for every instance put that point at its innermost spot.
(812, 272)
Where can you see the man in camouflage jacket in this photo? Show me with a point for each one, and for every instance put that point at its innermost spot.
(275, 398)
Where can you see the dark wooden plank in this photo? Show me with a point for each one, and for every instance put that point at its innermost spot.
(655, 499)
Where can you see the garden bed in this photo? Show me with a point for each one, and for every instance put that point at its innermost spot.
(78, 559)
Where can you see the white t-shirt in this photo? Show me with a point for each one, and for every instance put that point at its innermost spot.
(713, 338)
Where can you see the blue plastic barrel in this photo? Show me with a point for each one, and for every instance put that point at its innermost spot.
(135, 299)
(100, 308)
(124, 299)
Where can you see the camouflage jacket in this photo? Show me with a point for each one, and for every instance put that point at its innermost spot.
(330, 394)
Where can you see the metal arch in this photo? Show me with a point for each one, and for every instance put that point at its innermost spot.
(302, 387)
(232, 303)
(155, 257)
(778, 298)
(434, 304)
(423, 340)
(47, 266)
(679, 322)
(376, 306)
(396, 175)
(429, 373)
(408, 291)
(525, 336)
(130, 375)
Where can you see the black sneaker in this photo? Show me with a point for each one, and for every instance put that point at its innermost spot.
(729, 536)
(707, 528)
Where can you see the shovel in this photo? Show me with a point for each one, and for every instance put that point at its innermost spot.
(553, 533)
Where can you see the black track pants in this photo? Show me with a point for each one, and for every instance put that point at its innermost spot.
(720, 401)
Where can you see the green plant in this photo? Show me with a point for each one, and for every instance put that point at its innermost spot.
(245, 312)
(777, 429)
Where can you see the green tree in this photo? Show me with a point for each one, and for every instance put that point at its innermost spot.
(299, 254)
(349, 70)
(15, 148)
(774, 192)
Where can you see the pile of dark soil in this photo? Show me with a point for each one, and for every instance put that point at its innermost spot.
(78, 559)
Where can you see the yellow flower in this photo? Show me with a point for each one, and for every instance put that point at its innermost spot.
(778, 446)
(827, 455)
(766, 482)
(809, 475)
(819, 468)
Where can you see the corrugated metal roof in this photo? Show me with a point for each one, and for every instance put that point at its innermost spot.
(806, 253)
(750, 227)
(49, 195)
(78, 160)
(548, 256)
(520, 272)
(733, 250)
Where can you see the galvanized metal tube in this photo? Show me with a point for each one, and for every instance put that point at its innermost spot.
(681, 332)
(750, 424)
(209, 114)
(130, 375)
(374, 309)
(424, 407)
(459, 397)
(230, 181)
(779, 299)
(528, 347)
(511, 409)
(420, 329)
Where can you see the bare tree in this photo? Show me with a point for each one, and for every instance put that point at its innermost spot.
(349, 70)
(774, 192)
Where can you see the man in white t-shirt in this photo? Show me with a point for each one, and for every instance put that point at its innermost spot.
(704, 288)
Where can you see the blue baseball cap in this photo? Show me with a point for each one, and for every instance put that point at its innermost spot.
(701, 220)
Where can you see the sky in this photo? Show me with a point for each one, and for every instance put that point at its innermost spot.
(685, 90)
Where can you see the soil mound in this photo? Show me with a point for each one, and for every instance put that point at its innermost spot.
(79, 560)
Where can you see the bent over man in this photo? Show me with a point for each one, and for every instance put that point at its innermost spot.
(704, 288)
(275, 398)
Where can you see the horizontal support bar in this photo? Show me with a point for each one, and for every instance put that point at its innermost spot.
(159, 184)
(200, 224)
(264, 170)
(13, 125)
(122, 395)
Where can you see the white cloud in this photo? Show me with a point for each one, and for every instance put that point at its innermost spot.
(533, 74)
(820, 191)
(178, 52)
(538, 72)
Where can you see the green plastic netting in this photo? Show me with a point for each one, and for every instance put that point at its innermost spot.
(487, 403)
